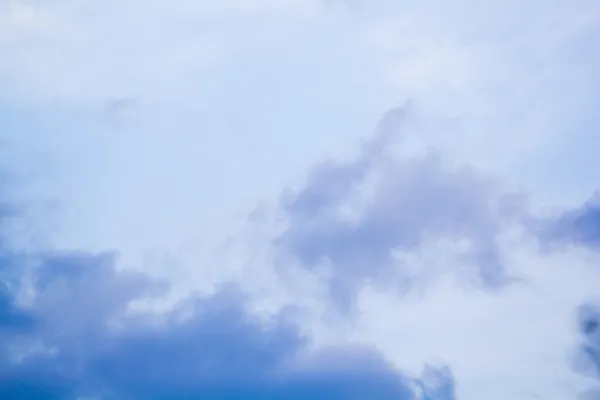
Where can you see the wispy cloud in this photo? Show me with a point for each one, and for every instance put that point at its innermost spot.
(332, 220)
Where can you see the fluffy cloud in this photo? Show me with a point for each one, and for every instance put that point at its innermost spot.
(68, 332)
(454, 254)
(217, 353)
(438, 260)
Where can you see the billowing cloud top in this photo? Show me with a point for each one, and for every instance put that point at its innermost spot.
(209, 200)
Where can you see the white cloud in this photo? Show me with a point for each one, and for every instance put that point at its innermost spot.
(85, 52)
(514, 343)
(75, 52)
(200, 138)
(514, 77)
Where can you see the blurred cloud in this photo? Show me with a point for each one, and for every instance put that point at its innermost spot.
(416, 245)
(353, 216)
(152, 130)
(74, 336)
(580, 225)
(517, 78)
(587, 357)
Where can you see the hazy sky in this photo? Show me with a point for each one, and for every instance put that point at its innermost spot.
(299, 199)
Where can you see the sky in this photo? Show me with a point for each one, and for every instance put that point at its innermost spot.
(299, 199)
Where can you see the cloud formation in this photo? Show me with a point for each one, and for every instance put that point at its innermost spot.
(580, 225)
(150, 130)
(587, 358)
(68, 332)
(71, 327)
(353, 215)
(417, 244)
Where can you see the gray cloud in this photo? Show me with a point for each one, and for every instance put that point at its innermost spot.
(587, 357)
(580, 225)
(413, 200)
(74, 337)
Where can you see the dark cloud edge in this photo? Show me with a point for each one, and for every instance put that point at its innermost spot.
(60, 344)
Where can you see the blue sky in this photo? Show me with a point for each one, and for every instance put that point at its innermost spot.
(284, 199)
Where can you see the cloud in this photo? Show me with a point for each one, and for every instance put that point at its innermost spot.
(12, 319)
(416, 281)
(154, 128)
(432, 250)
(353, 216)
(218, 352)
(587, 357)
(580, 225)
(437, 259)
(68, 330)
(65, 52)
(508, 79)
(232, 98)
